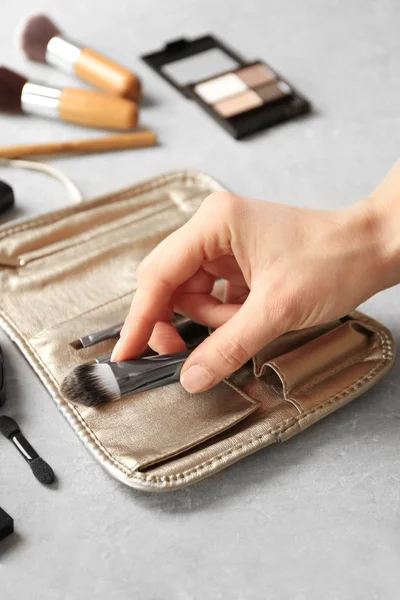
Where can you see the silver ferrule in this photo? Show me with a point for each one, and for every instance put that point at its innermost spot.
(62, 54)
(40, 100)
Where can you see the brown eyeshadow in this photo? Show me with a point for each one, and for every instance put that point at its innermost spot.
(273, 91)
(256, 75)
(238, 104)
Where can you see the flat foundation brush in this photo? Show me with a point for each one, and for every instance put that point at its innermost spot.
(41, 470)
(99, 384)
(73, 105)
(104, 382)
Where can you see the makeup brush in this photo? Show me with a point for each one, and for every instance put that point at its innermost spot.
(41, 470)
(98, 384)
(192, 334)
(95, 338)
(106, 334)
(41, 40)
(122, 141)
(103, 382)
(74, 105)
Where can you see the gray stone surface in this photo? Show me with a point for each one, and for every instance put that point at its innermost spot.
(315, 518)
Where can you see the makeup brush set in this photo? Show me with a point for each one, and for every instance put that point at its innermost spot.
(113, 104)
(243, 97)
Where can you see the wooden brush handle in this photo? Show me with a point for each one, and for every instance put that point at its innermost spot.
(103, 73)
(95, 109)
(138, 139)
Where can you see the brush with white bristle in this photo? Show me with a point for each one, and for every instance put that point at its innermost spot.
(98, 384)
(42, 41)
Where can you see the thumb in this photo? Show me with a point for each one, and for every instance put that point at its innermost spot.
(233, 344)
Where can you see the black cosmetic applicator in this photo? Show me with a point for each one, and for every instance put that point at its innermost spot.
(41, 470)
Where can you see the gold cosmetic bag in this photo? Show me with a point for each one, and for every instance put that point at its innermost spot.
(72, 272)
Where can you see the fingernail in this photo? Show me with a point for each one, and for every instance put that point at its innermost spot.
(196, 379)
(115, 351)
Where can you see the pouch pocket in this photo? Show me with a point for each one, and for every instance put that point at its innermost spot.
(292, 374)
(167, 202)
(151, 427)
(146, 428)
(328, 361)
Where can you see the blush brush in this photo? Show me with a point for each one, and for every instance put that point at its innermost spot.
(41, 470)
(42, 41)
(74, 105)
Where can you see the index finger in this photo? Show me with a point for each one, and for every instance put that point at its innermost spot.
(178, 259)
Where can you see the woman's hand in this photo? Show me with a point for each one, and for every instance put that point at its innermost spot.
(285, 269)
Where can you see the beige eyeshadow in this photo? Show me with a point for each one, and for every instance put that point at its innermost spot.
(238, 104)
(219, 88)
(256, 75)
(273, 91)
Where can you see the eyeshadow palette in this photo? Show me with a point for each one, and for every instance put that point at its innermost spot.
(243, 97)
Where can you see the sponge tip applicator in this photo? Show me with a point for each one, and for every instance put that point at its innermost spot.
(42, 471)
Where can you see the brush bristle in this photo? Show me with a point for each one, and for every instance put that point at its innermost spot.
(8, 426)
(11, 84)
(86, 384)
(76, 344)
(42, 471)
(34, 35)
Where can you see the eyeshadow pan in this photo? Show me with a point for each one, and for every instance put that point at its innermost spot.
(273, 91)
(238, 104)
(220, 88)
(256, 75)
(200, 66)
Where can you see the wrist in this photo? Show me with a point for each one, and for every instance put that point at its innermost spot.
(377, 221)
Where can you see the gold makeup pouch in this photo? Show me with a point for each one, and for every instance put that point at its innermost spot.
(72, 272)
